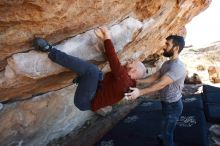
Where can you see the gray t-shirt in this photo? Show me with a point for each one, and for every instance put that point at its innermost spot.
(176, 70)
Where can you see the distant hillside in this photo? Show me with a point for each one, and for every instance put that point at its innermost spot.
(198, 60)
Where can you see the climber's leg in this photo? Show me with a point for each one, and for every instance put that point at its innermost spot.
(89, 74)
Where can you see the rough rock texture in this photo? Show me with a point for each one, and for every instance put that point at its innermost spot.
(138, 29)
(204, 63)
(37, 66)
(38, 120)
(194, 79)
(214, 74)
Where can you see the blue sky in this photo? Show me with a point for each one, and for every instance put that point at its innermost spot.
(205, 27)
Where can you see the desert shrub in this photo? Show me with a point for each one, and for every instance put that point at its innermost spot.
(200, 68)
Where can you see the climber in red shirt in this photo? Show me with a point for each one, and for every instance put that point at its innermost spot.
(94, 91)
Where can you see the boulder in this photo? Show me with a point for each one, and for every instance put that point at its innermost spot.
(36, 121)
(214, 74)
(37, 94)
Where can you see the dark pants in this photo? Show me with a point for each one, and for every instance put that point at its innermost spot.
(89, 76)
(171, 114)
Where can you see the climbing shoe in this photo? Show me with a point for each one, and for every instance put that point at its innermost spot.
(42, 45)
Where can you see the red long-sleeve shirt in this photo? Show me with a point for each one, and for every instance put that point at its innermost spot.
(115, 83)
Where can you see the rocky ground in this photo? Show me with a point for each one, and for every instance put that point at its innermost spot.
(198, 60)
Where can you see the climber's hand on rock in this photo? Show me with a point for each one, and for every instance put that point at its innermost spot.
(102, 33)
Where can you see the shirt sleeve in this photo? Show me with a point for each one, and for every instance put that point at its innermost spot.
(176, 71)
(112, 57)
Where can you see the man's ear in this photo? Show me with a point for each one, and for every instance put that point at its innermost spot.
(133, 70)
(176, 49)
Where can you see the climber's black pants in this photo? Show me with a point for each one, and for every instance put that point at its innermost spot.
(89, 76)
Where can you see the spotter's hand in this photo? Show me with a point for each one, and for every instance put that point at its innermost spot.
(134, 94)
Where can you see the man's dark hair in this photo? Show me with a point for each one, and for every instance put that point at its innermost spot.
(177, 41)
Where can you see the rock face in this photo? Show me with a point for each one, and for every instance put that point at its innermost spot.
(203, 63)
(214, 74)
(40, 119)
(138, 29)
(36, 66)
(194, 79)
